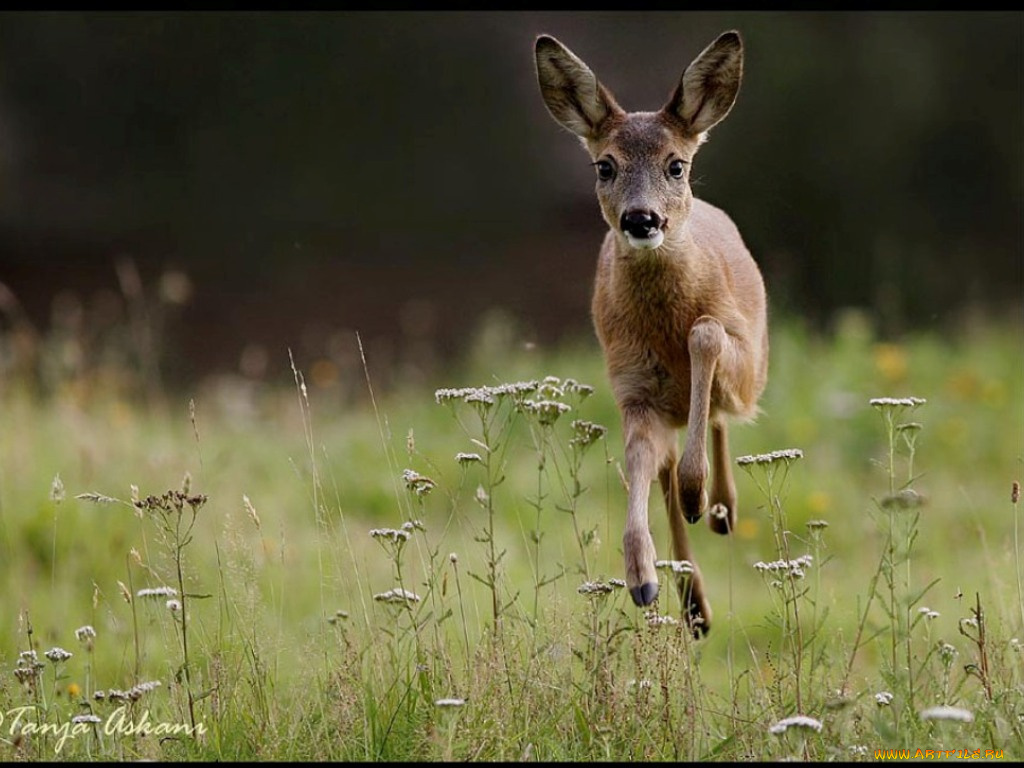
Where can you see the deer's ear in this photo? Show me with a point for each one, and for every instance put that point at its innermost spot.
(708, 88)
(572, 93)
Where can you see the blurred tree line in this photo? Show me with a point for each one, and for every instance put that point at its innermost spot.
(303, 175)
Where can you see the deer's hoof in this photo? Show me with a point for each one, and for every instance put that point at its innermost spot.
(694, 499)
(645, 593)
(722, 518)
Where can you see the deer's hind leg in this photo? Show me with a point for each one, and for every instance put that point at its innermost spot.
(722, 515)
(690, 585)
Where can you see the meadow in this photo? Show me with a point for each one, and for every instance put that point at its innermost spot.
(430, 570)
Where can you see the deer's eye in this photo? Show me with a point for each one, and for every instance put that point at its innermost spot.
(605, 170)
(676, 169)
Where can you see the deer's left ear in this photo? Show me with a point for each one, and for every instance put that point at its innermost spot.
(708, 88)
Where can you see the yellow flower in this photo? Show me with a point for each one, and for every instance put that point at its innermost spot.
(74, 690)
(891, 361)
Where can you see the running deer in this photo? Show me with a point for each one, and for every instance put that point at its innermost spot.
(678, 305)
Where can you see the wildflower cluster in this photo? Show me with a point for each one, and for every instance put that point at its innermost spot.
(486, 395)
(28, 668)
(947, 713)
(175, 500)
(419, 484)
(57, 655)
(653, 619)
(676, 566)
(157, 592)
(786, 454)
(134, 693)
(897, 402)
(587, 433)
(597, 588)
(796, 721)
(792, 568)
(546, 411)
(397, 596)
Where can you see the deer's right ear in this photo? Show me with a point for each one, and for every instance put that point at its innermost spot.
(572, 93)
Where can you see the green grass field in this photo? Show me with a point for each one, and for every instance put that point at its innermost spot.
(275, 647)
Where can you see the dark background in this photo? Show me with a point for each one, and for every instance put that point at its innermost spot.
(397, 174)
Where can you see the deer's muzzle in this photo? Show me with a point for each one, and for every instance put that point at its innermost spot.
(643, 229)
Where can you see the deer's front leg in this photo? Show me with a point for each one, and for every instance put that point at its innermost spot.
(706, 342)
(647, 440)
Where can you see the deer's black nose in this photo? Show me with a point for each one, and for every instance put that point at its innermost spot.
(641, 224)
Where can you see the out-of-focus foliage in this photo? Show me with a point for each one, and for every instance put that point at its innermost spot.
(397, 173)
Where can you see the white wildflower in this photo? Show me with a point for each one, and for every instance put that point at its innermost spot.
(787, 455)
(947, 713)
(547, 411)
(173, 605)
(85, 719)
(397, 595)
(883, 698)
(417, 483)
(467, 458)
(796, 721)
(157, 592)
(676, 566)
(57, 655)
(449, 703)
(594, 588)
(897, 402)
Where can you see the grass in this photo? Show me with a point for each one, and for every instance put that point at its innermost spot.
(345, 588)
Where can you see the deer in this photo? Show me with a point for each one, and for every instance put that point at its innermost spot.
(678, 304)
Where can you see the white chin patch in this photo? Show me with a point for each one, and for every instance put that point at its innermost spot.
(645, 243)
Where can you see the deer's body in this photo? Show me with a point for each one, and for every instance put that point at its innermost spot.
(679, 304)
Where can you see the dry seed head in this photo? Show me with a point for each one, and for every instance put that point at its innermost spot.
(1015, 492)
(251, 510)
(124, 592)
(57, 489)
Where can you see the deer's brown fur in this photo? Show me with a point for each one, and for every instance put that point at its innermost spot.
(679, 304)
